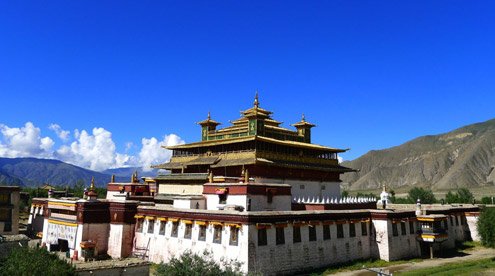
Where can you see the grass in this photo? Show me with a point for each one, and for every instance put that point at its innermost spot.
(460, 268)
(356, 265)
(360, 264)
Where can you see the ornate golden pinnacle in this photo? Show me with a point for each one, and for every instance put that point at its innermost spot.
(256, 102)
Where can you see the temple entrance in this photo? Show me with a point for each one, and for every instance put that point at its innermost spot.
(63, 245)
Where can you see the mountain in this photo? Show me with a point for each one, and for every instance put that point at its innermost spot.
(34, 172)
(128, 171)
(464, 157)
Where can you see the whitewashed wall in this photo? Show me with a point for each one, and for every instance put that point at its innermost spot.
(306, 255)
(164, 247)
(307, 188)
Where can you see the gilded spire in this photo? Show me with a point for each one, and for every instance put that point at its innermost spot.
(256, 102)
(209, 116)
(303, 118)
(92, 187)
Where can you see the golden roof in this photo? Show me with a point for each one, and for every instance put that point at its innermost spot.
(210, 143)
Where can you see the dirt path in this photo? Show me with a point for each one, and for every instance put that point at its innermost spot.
(471, 255)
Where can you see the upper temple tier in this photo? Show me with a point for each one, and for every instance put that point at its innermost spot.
(254, 149)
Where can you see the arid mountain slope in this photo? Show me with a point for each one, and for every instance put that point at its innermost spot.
(464, 157)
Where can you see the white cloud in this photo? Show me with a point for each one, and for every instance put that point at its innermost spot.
(94, 150)
(24, 142)
(62, 134)
(152, 152)
(340, 159)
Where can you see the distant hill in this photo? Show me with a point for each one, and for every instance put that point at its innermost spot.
(33, 172)
(464, 157)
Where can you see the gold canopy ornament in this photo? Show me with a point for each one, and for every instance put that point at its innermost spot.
(92, 186)
(256, 101)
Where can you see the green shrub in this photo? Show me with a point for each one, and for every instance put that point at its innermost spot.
(462, 195)
(34, 261)
(200, 265)
(486, 200)
(486, 227)
(425, 195)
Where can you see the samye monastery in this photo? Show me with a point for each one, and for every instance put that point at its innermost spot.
(254, 192)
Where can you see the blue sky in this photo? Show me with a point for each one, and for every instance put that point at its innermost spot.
(370, 74)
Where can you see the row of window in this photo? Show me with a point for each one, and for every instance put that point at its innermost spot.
(312, 233)
(395, 230)
(174, 232)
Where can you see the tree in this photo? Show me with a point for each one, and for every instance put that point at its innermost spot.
(34, 261)
(486, 200)
(465, 195)
(462, 195)
(344, 193)
(201, 265)
(486, 227)
(426, 196)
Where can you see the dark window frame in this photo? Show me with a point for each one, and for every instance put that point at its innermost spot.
(296, 234)
(217, 234)
(340, 231)
(312, 233)
(352, 230)
(326, 232)
(262, 237)
(279, 235)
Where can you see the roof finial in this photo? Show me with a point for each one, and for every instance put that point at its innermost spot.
(256, 102)
(303, 118)
(209, 117)
(92, 187)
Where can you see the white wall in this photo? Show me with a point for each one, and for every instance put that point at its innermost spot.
(258, 202)
(189, 203)
(311, 188)
(164, 247)
(292, 257)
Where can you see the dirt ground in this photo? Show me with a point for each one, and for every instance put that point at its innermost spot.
(471, 255)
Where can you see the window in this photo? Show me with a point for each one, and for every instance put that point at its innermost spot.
(364, 229)
(323, 187)
(269, 196)
(411, 227)
(312, 232)
(139, 225)
(7, 226)
(326, 232)
(175, 229)
(279, 235)
(445, 225)
(301, 187)
(352, 230)
(262, 237)
(188, 231)
(4, 198)
(395, 232)
(403, 228)
(217, 234)
(5, 215)
(202, 233)
(161, 231)
(451, 221)
(151, 226)
(296, 234)
(340, 231)
(456, 221)
(222, 199)
(234, 235)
